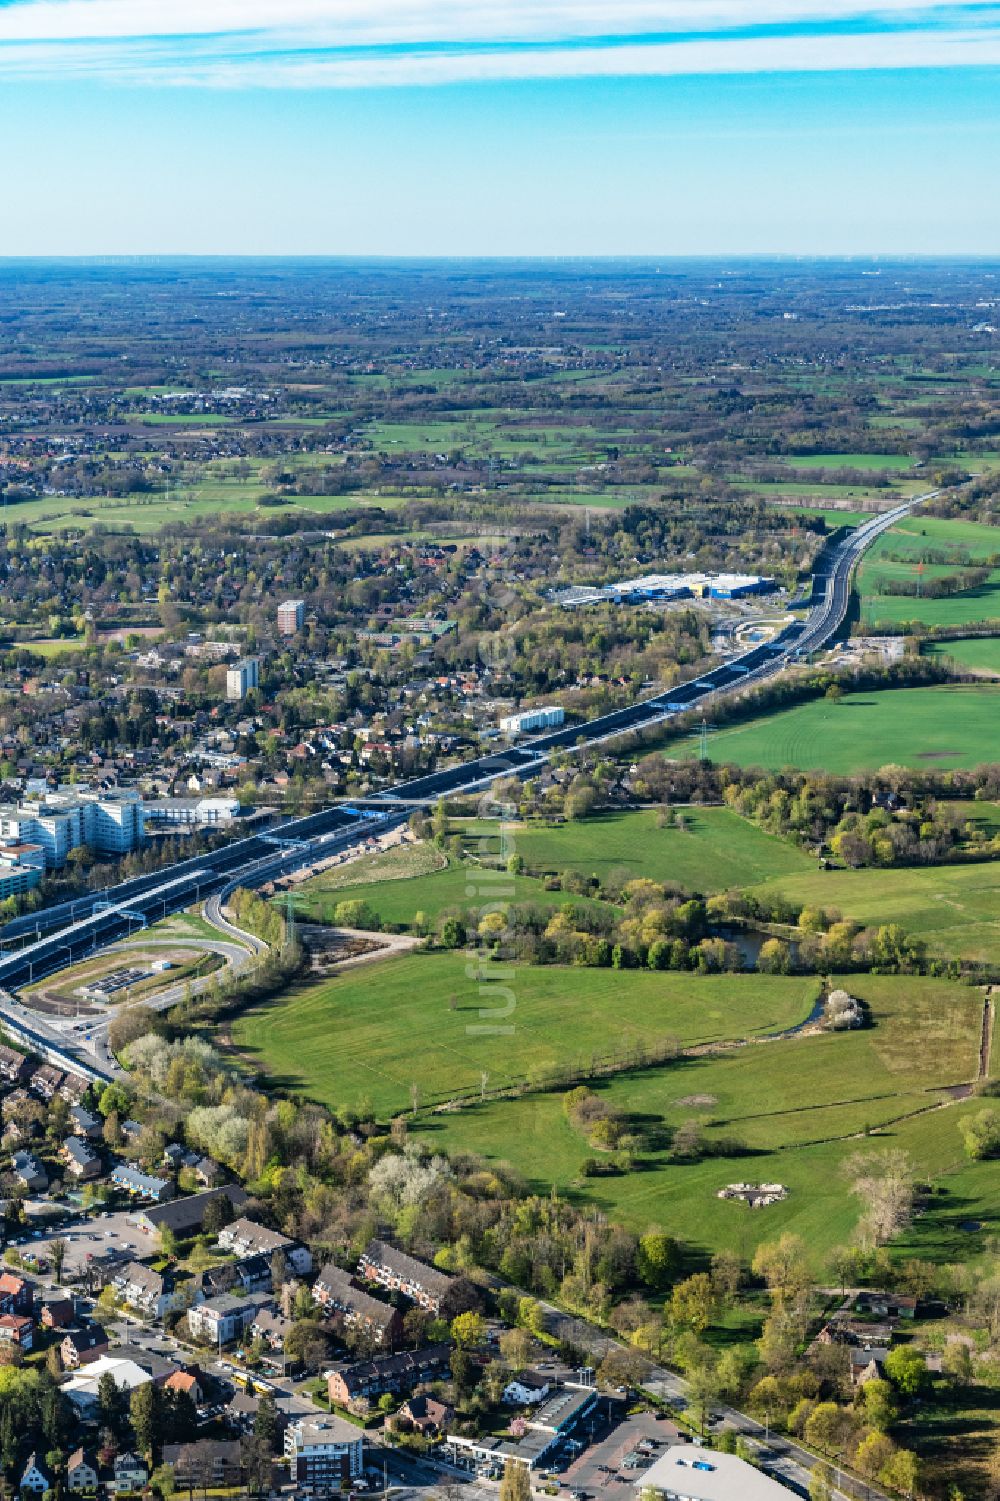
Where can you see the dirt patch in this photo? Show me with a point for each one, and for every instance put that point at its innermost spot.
(940, 755)
(698, 1100)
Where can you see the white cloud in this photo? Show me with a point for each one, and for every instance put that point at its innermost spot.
(368, 43)
(357, 22)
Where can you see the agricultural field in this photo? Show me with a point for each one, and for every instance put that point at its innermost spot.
(943, 726)
(368, 1035)
(896, 556)
(874, 461)
(792, 1111)
(709, 849)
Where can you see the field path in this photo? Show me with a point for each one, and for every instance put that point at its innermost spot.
(986, 1044)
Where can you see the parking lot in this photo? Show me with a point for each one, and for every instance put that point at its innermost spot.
(89, 1238)
(601, 1470)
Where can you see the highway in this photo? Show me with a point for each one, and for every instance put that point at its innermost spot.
(70, 931)
(831, 596)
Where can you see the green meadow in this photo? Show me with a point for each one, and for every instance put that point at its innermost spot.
(943, 726)
(369, 1033)
(897, 554)
(710, 849)
(978, 654)
(791, 1111)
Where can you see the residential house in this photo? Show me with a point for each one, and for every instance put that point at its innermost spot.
(144, 1289)
(81, 1346)
(271, 1328)
(14, 1067)
(37, 1476)
(247, 1238)
(86, 1123)
(81, 1472)
(335, 1292)
(358, 1382)
(251, 1274)
(222, 1319)
(241, 1412)
(45, 1081)
(207, 1463)
(147, 1186)
(29, 1171)
(186, 1381)
(323, 1453)
(186, 1216)
(17, 1294)
(399, 1272)
(527, 1389)
(57, 1313)
(867, 1363)
(73, 1088)
(131, 1473)
(82, 1161)
(208, 1172)
(17, 1329)
(426, 1415)
(176, 1156)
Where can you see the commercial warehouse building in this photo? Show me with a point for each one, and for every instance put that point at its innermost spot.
(653, 587)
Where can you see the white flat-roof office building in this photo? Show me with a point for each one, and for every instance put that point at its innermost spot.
(688, 1473)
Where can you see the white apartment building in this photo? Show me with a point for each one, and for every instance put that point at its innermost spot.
(324, 1452)
(242, 678)
(111, 823)
(532, 719)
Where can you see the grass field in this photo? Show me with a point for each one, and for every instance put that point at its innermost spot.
(873, 461)
(896, 556)
(943, 726)
(831, 514)
(714, 850)
(369, 1033)
(954, 908)
(397, 901)
(400, 863)
(798, 1109)
(980, 654)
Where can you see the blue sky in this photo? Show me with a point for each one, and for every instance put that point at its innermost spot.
(436, 127)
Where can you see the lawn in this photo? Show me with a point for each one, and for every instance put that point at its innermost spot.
(794, 1110)
(714, 850)
(978, 654)
(954, 908)
(369, 1033)
(942, 727)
